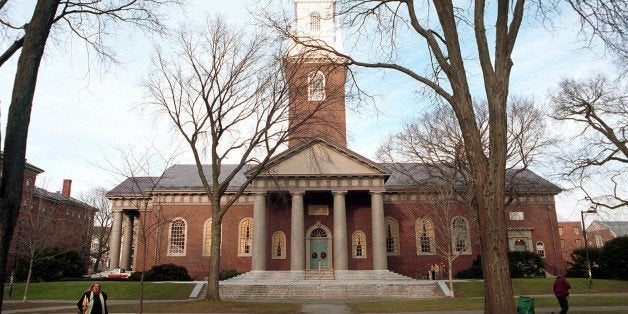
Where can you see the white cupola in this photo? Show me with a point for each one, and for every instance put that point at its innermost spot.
(315, 22)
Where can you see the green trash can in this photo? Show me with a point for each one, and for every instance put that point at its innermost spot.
(525, 305)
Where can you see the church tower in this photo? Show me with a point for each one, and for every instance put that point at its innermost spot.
(316, 77)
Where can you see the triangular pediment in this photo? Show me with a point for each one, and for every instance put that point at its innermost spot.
(321, 158)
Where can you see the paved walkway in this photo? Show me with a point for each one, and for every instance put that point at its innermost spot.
(311, 306)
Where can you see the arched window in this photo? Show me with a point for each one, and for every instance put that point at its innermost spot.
(176, 239)
(279, 245)
(424, 236)
(358, 240)
(246, 237)
(207, 237)
(460, 235)
(316, 86)
(315, 22)
(520, 245)
(392, 236)
(540, 249)
(599, 241)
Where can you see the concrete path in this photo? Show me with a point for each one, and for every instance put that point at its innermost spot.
(309, 306)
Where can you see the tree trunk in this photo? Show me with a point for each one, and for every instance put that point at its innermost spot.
(18, 120)
(28, 279)
(213, 288)
(450, 277)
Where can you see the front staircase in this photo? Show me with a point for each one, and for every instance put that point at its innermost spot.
(332, 285)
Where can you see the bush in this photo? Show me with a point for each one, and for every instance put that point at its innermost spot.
(226, 274)
(473, 272)
(52, 264)
(614, 258)
(525, 265)
(578, 268)
(521, 265)
(165, 272)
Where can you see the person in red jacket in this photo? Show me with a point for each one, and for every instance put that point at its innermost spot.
(561, 290)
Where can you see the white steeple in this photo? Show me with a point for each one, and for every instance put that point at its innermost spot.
(315, 23)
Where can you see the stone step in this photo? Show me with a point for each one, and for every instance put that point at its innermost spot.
(346, 285)
(326, 290)
(319, 275)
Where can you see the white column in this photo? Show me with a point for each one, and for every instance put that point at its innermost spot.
(378, 224)
(114, 246)
(341, 255)
(259, 232)
(127, 241)
(297, 233)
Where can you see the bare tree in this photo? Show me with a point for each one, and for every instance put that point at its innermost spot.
(428, 152)
(606, 20)
(597, 108)
(102, 223)
(228, 96)
(89, 20)
(39, 230)
(141, 191)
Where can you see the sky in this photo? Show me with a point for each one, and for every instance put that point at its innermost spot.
(83, 110)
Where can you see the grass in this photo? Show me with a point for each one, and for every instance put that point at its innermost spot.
(475, 289)
(469, 296)
(119, 290)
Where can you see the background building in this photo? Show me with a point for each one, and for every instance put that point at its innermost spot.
(571, 238)
(50, 219)
(599, 232)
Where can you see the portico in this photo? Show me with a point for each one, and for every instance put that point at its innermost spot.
(319, 237)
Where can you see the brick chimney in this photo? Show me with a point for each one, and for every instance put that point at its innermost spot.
(67, 186)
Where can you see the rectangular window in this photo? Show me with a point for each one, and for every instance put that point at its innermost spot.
(516, 215)
(578, 243)
(576, 230)
(560, 230)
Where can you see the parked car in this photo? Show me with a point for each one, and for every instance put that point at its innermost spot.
(114, 273)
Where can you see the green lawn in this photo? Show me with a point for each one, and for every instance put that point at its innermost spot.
(120, 290)
(469, 296)
(473, 289)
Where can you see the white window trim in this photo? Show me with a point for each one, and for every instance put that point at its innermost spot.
(185, 238)
(283, 238)
(419, 250)
(250, 239)
(354, 245)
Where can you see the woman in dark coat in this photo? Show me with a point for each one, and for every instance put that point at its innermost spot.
(93, 301)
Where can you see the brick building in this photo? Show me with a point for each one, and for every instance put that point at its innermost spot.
(318, 205)
(599, 232)
(50, 219)
(571, 238)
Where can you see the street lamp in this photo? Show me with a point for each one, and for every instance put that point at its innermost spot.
(586, 244)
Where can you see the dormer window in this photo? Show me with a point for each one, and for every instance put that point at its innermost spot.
(315, 22)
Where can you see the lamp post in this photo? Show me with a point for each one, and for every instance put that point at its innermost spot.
(586, 244)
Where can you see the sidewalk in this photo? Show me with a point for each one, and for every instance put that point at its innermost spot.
(309, 306)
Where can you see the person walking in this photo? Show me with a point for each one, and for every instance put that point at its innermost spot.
(93, 301)
(561, 290)
(436, 271)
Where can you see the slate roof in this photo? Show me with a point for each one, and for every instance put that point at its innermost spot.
(619, 228)
(58, 197)
(406, 175)
(184, 177)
